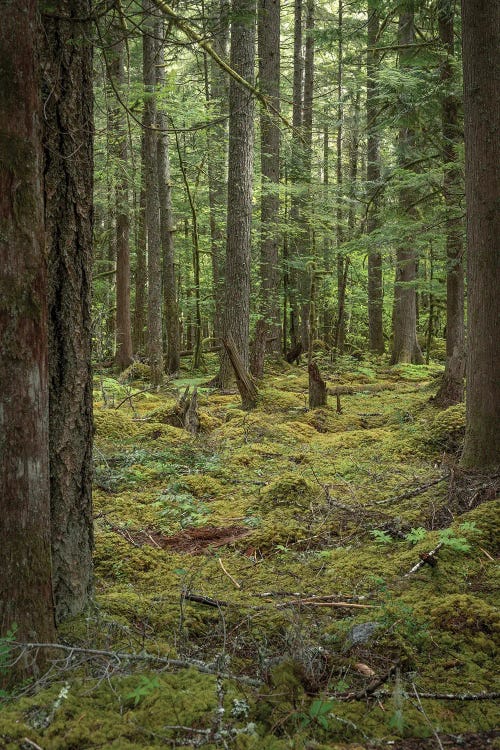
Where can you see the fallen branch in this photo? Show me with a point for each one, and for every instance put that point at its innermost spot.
(313, 603)
(368, 690)
(450, 696)
(204, 600)
(119, 656)
(427, 558)
(413, 493)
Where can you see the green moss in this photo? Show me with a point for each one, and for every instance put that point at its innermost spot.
(112, 424)
(290, 491)
(447, 429)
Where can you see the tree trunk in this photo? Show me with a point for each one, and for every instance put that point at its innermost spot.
(119, 147)
(481, 32)
(294, 241)
(373, 169)
(167, 225)
(307, 230)
(405, 345)
(451, 390)
(155, 343)
(25, 565)
(246, 386)
(68, 170)
(140, 279)
(217, 97)
(269, 79)
(240, 177)
(341, 261)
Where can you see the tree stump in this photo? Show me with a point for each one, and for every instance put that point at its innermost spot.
(317, 387)
(246, 386)
(294, 354)
(185, 413)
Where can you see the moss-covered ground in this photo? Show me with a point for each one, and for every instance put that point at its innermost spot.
(262, 568)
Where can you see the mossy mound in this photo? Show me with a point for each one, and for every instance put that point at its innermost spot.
(136, 371)
(289, 491)
(461, 613)
(274, 399)
(447, 430)
(112, 424)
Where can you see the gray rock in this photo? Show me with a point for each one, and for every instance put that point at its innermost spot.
(362, 633)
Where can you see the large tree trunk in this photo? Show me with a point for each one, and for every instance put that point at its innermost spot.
(118, 142)
(481, 41)
(240, 177)
(68, 146)
(405, 346)
(217, 93)
(373, 168)
(172, 324)
(25, 567)
(155, 343)
(451, 390)
(269, 78)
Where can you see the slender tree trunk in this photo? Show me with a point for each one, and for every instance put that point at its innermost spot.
(68, 144)
(269, 78)
(294, 241)
(341, 261)
(405, 345)
(480, 43)
(373, 169)
(167, 225)
(451, 390)
(306, 278)
(240, 177)
(25, 565)
(155, 343)
(119, 147)
(140, 278)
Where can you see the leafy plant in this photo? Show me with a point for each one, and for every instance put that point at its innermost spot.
(317, 714)
(448, 538)
(146, 686)
(416, 535)
(381, 537)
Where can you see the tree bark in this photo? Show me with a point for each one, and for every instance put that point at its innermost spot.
(269, 78)
(25, 564)
(240, 178)
(119, 147)
(373, 169)
(155, 343)
(140, 276)
(405, 345)
(480, 44)
(217, 94)
(167, 225)
(342, 262)
(451, 390)
(317, 387)
(68, 184)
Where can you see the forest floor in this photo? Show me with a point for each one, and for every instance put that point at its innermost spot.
(254, 584)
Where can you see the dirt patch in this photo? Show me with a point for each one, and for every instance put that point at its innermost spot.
(193, 541)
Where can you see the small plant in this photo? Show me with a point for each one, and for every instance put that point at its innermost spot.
(448, 538)
(146, 686)
(318, 714)
(381, 537)
(416, 535)
(6, 642)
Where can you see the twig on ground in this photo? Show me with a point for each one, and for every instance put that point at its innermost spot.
(421, 709)
(229, 574)
(414, 492)
(369, 689)
(120, 656)
(428, 558)
(204, 600)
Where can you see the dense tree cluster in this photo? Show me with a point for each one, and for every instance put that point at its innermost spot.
(289, 179)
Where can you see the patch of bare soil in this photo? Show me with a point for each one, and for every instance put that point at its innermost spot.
(194, 541)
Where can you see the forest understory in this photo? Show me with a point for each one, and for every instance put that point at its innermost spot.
(286, 578)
